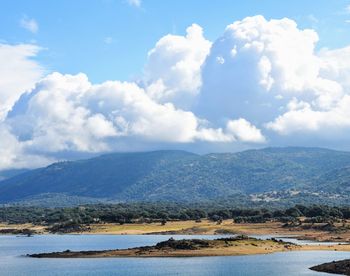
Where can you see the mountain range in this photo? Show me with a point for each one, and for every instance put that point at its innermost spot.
(266, 175)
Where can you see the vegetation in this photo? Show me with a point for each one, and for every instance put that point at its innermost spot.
(272, 176)
(72, 218)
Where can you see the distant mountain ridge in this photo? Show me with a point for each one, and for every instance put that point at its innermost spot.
(183, 176)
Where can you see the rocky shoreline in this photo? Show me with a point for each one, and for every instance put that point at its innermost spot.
(336, 267)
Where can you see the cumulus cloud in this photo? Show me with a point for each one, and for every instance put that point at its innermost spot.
(68, 113)
(329, 108)
(302, 117)
(239, 130)
(262, 81)
(254, 62)
(29, 24)
(336, 66)
(14, 155)
(243, 130)
(19, 73)
(268, 72)
(173, 70)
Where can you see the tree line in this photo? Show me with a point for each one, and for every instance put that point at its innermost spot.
(162, 212)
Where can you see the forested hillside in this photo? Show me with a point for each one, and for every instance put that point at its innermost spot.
(272, 175)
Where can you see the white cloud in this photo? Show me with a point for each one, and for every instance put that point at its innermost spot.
(336, 66)
(243, 130)
(173, 69)
(29, 24)
(68, 113)
(269, 73)
(239, 130)
(262, 81)
(13, 155)
(329, 110)
(19, 73)
(262, 59)
(53, 119)
(135, 3)
(306, 119)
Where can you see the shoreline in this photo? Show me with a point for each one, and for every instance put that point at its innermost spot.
(230, 246)
(204, 227)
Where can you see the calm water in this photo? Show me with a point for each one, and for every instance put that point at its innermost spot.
(13, 263)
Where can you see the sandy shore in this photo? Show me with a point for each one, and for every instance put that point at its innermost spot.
(204, 227)
(226, 227)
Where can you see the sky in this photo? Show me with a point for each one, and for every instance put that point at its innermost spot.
(82, 78)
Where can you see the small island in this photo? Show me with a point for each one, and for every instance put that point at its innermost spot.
(336, 267)
(240, 245)
(230, 246)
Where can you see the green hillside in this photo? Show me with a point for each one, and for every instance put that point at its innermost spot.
(184, 176)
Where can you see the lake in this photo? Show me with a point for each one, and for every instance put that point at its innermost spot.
(12, 262)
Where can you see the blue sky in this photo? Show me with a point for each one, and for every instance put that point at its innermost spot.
(81, 78)
(109, 39)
